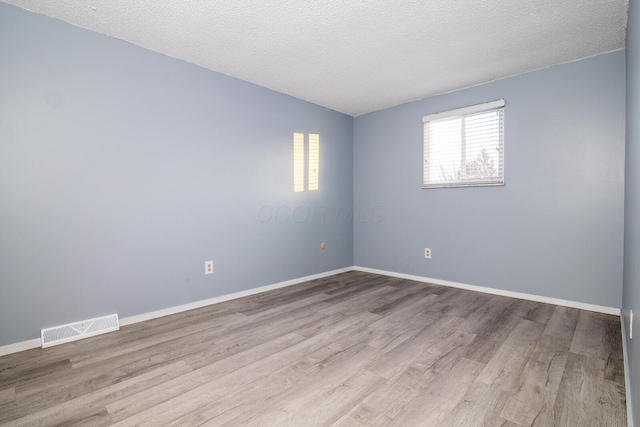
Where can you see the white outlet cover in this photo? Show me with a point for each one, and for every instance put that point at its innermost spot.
(427, 252)
(208, 267)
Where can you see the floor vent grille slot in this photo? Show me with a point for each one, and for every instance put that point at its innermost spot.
(79, 330)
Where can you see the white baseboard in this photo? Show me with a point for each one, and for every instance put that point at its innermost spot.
(223, 298)
(20, 346)
(35, 343)
(493, 291)
(627, 378)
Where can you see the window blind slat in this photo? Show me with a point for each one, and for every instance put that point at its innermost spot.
(494, 105)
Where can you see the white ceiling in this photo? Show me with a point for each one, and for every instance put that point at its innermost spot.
(358, 56)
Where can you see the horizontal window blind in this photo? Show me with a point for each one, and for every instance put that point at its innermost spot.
(314, 160)
(465, 149)
(298, 162)
(310, 162)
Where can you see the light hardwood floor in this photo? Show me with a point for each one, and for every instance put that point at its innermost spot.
(347, 350)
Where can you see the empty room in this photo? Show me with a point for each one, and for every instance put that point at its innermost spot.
(320, 213)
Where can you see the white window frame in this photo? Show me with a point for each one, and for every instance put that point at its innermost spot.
(463, 113)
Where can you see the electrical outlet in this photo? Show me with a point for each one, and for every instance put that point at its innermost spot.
(208, 267)
(630, 324)
(427, 252)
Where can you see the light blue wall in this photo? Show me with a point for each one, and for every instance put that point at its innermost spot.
(123, 170)
(631, 288)
(555, 229)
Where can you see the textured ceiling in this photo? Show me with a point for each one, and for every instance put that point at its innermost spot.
(357, 56)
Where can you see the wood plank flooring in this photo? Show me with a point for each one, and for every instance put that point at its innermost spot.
(354, 349)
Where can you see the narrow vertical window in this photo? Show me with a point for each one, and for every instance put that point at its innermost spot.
(314, 160)
(298, 162)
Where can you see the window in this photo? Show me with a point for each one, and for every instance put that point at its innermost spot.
(464, 147)
(298, 162)
(313, 162)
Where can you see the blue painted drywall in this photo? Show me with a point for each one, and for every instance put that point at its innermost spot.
(122, 171)
(631, 288)
(555, 229)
